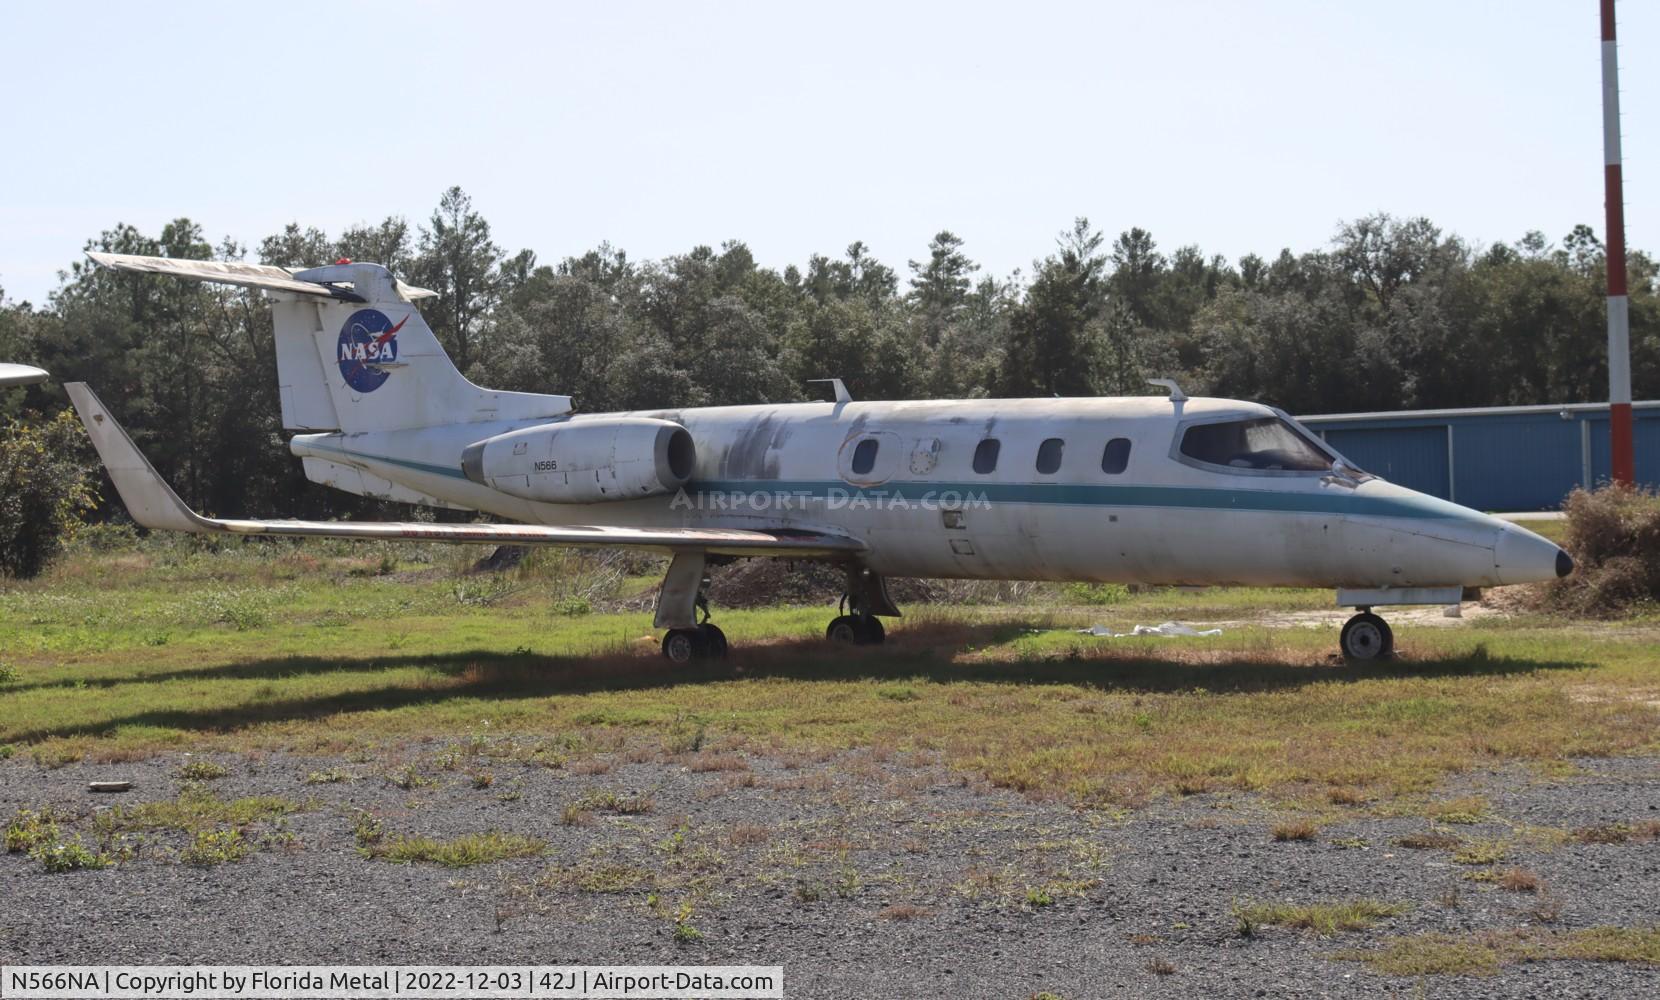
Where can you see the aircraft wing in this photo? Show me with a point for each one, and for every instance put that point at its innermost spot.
(268, 276)
(153, 504)
(11, 374)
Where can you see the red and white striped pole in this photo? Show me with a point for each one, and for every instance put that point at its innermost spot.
(1619, 313)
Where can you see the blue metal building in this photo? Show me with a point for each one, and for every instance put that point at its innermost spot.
(1502, 458)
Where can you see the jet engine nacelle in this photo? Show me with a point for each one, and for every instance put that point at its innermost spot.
(585, 461)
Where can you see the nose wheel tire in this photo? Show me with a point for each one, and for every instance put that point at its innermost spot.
(683, 645)
(1366, 637)
(857, 630)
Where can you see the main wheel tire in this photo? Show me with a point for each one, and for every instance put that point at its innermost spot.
(871, 631)
(682, 645)
(844, 629)
(1366, 637)
(714, 640)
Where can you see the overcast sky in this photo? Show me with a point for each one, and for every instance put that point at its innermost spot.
(799, 128)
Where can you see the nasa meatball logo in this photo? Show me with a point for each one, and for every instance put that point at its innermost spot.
(368, 340)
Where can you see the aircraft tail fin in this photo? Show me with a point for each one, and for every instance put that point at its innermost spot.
(353, 352)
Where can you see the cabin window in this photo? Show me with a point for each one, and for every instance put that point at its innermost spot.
(1116, 456)
(864, 456)
(1049, 456)
(1266, 443)
(985, 456)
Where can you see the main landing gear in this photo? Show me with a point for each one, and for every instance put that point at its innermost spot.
(1366, 637)
(683, 609)
(866, 597)
(679, 605)
(704, 642)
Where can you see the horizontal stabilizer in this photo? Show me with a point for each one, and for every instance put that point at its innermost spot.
(11, 374)
(267, 276)
(153, 504)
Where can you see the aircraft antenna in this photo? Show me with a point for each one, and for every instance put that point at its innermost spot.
(842, 395)
(1176, 393)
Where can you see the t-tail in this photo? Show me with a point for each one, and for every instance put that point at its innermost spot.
(354, 354)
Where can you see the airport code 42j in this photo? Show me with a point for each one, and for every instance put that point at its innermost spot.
(391, 982)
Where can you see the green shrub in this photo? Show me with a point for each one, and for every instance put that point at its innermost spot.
(1096, 593)
(215, 847)
(45, 485)
(29, 830)
(106, 538)
(68, 855)
(203, 770)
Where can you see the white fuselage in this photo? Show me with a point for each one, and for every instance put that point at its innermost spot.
(923, 509)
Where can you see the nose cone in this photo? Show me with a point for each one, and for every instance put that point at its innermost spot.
(1523, 557)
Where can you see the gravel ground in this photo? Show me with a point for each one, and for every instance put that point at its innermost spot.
(864, 875)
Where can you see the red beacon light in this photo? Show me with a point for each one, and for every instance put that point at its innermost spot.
(344, 260)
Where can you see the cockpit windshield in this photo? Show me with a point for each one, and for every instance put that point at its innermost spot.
(1267, 443)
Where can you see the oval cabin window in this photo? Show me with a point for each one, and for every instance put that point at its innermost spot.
(864, 456)
(1116, 456)
(985, 456)
(1049, 456)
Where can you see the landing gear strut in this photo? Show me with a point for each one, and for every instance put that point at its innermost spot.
(679, 604)
(1366, 637)
(866, 597)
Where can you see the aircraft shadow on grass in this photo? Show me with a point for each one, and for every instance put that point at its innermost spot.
(921, 653)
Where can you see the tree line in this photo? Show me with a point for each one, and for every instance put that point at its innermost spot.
(1392, 314)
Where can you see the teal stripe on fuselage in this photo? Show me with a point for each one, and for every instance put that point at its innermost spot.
(1092, 495)
(1055, 494)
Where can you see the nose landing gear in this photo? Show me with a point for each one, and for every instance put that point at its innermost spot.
(1366, 637)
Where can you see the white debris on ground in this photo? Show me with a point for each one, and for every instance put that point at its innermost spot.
(1167, 629)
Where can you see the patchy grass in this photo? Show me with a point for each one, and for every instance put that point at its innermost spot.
(215, 847)
(29, 830)
(1518, 880)
(1295, 829)
(459, 852)
(1618, 833)
(69, 855)
(203, 770)
(1469, 810)
(581, 810)
(1483, 953)
(360, 659)
(195, 810)
(1325, 919)
(1429, 840)
(1481, 852)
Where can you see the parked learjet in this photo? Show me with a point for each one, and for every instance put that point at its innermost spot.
(1151, 489)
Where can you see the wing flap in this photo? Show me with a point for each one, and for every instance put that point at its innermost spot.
(153, 504)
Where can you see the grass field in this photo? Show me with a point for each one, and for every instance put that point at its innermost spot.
(359, 648)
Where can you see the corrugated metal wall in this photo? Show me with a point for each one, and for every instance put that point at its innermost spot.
(1502, 459)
